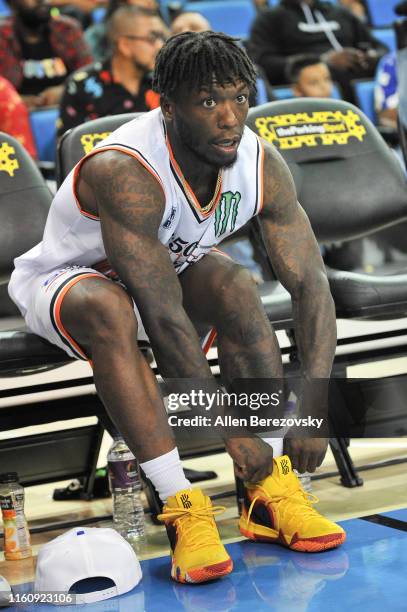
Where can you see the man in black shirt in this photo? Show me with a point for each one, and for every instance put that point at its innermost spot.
(122, 84)
(311, 26)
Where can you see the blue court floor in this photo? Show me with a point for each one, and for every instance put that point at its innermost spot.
(369, 573)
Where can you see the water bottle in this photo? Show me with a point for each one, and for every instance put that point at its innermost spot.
(291, 412)
(125, 486)
(16, 535)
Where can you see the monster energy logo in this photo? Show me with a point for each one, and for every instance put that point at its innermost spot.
(227, 209)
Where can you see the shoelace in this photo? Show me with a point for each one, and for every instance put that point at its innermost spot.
(292, 497)
(207, 533)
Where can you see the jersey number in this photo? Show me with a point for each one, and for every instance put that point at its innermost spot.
(178, 246)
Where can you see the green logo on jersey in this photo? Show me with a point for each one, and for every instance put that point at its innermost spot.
(227, 210)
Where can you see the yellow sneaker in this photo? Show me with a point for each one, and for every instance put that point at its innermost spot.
(278, 510)
(197, 553)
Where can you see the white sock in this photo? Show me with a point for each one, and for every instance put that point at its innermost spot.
(166, 474)
(277, 444)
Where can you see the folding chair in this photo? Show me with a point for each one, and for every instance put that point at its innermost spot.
(350, 185)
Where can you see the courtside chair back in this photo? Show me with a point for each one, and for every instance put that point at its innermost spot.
(349, 183)
(24, 204)
(80, 140)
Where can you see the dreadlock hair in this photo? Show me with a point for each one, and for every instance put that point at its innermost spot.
(197, 59)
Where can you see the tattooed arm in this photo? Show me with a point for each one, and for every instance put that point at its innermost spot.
(296, 259)
(294, 253)
(130, 204)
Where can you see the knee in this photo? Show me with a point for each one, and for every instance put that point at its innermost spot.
(237, 294)
(238, 284)
(109, 315)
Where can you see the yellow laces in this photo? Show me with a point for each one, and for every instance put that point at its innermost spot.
(292, 498)
(205, 533)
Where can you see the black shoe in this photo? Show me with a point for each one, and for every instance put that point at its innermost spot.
(198, 476)
(75, 489)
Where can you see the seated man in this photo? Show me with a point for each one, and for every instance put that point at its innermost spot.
(38, 51)
(321, 28)
(121, 84)
(147, 206)
(309, 77)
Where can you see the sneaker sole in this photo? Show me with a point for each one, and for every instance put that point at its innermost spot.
(316, 544)
(203, 574)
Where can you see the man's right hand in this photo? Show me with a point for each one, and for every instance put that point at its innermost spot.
(347, 59)
(253, 458)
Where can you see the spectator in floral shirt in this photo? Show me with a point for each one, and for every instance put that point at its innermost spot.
(38, 52)
(14, 119)
(122, 84)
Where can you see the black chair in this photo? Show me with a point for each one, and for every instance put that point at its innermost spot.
(80, 140)
(22, 220)
(24, 203)
(350, 185)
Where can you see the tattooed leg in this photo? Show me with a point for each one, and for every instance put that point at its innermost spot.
(99, 316)
(221, 293)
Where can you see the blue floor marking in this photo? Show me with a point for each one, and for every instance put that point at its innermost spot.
(401, 515)
(368, 571)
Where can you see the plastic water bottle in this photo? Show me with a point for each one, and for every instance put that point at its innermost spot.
(305, 480)
(291, 412)
(16, 535)
(125, 486)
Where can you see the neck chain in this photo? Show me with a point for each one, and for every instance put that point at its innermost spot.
(187, 189)
(192, 198)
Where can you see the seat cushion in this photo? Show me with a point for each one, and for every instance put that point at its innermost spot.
(359, 295)
(21, 350)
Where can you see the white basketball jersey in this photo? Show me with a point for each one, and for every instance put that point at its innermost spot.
(73, 236)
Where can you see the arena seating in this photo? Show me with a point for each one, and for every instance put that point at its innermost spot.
(233, 18)
(43, 125)
(364, 92)
(381, 12)
(4, 8)
(386, 36)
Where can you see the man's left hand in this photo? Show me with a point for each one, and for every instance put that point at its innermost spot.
(305, 454)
